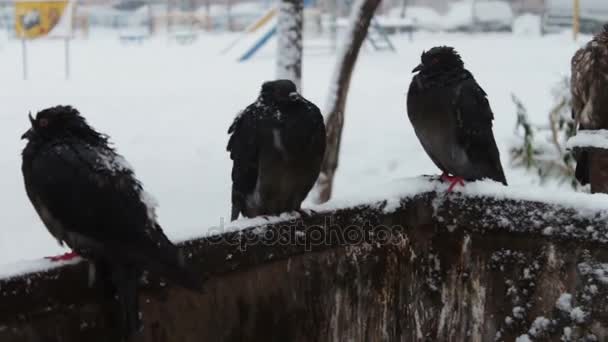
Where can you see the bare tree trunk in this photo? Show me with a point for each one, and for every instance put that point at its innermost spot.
(361, 16)
(289, 49)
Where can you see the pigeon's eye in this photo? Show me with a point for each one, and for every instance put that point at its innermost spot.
(435, 60)
(43, 122)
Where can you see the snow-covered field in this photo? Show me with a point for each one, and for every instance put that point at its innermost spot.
(167, 109)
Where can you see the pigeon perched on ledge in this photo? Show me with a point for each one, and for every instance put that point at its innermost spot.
(589, 86)
(452, 119)
(87, 196)
(277, 145)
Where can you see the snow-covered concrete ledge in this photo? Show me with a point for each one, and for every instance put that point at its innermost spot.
(592, 149)
(589, 139)
(405, 259)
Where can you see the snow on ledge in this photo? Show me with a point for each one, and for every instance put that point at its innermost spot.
(18, 269)
(589, 138)
(562, 198)
(392, 192)
(395, 191)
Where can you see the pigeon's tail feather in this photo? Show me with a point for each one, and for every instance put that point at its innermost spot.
(171, 264)
(168, 262)
(501, 175)
(503, 180)
(235, 213)
(125, 281)
(490, 164)
(488, 169)
(238, 203)
(179, 274)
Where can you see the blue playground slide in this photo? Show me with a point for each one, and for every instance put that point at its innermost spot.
(259, 44)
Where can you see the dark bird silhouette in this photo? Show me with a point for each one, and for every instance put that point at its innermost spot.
(589, 86)
(277, 145)
(87, 196)
(452, 118)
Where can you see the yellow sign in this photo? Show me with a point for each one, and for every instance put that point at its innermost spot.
(35, 19)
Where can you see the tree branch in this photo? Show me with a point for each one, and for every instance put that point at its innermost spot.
(362, 14)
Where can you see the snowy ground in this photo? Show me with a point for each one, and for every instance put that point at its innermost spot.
(167, 108)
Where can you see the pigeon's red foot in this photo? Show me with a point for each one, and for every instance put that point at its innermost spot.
(453, 180)
(64, 257)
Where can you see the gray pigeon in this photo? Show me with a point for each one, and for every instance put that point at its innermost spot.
(277, 145)
(452, 118)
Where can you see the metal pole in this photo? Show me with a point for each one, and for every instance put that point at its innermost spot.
(333, 29)
(24, 58)
(67, 58)
(403, 8)
(474, 15)
(150, 19)
(229, 15)
(168, 18)
(576, 19)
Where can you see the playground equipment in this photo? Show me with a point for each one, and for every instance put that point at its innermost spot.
(377, 36)
(259, 44)
(254, 27)
(133, 31)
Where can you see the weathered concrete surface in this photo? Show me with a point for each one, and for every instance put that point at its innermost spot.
(439, 268)
(593, 142)
(598, 170)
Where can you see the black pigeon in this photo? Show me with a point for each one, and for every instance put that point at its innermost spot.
(277, 145)
(452, 118)
(88, 198)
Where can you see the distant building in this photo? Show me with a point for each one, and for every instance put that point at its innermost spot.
(528, 6)
(441, 6)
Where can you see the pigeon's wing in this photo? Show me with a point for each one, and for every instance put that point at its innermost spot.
(319, 137)
(89, 198)
(318, 144)
(243, 146)
(317, 141)
(305, 137)
(415, 112)
(306, 133)
(474, 131)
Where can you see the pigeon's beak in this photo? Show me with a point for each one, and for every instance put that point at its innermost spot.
(418, 68)
(28, 134)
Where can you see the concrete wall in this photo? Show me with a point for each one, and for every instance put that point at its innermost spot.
(437, 268)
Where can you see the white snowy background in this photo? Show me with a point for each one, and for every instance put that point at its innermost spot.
(167, 108)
